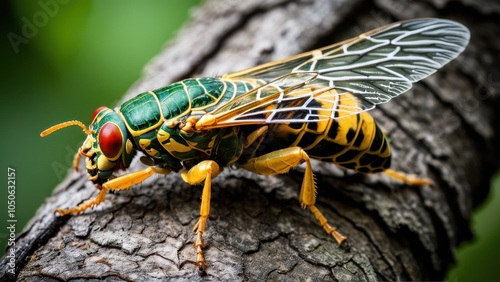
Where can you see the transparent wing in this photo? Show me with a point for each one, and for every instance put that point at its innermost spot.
(383, 64)
(372, 68)
(287, 99)
(257, 105)
(306, 104)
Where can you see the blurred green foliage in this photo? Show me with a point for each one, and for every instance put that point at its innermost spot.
(84, 54)
(60, 61)
(479, 260)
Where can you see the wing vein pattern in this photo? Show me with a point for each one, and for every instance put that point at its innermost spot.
(372, 68)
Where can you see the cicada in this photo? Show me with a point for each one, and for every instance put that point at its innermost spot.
(310, 106)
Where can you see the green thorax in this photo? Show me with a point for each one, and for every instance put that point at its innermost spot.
(147, 115)
(147, 111)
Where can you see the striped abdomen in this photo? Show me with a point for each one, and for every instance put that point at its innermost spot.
(352, 141)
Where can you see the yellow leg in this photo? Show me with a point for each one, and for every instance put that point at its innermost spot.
(204, 171)
(282, 161)
(85, 205)
(408, 179)
(254, 136)
(120, 183)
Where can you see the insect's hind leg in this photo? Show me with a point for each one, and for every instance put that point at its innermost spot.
(281, 161)
(406, 178)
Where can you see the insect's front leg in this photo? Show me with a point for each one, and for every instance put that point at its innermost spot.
(281, 161)
(204, 171)
(408, 179)
(90, 203)
(120, 183)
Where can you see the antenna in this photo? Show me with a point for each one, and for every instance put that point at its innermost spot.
(65, 124)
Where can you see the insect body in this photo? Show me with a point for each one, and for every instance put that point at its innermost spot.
(313, 105)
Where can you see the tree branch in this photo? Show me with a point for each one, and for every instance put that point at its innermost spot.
(444, 128)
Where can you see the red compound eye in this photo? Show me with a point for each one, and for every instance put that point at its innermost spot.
(96, 112)
(110, 140)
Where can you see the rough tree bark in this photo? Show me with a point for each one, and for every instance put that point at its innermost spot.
(444, 128)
